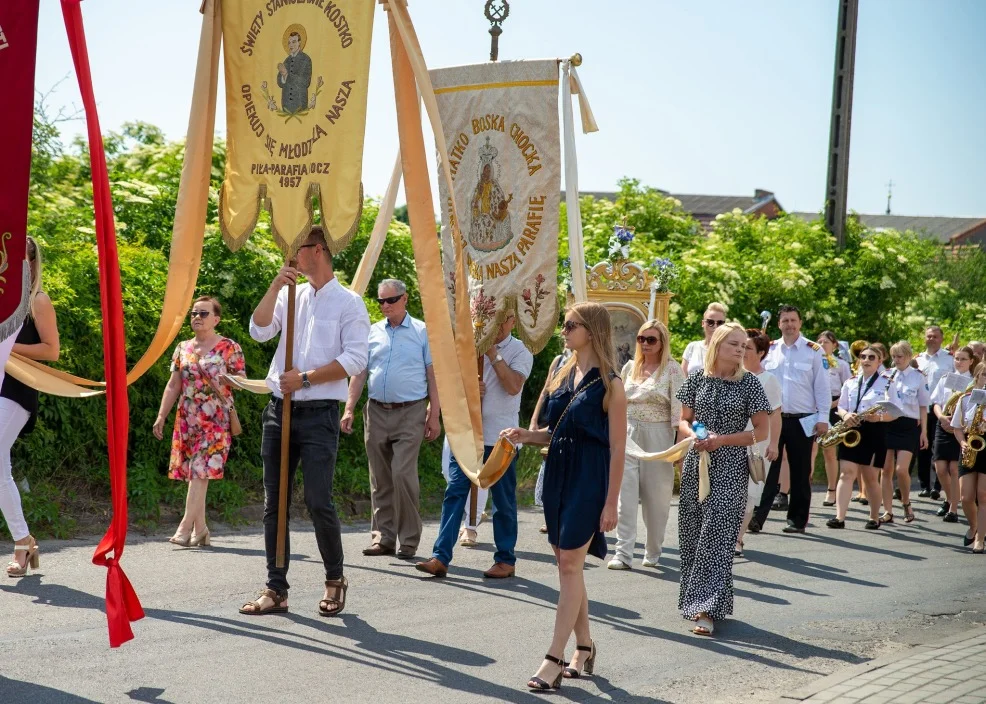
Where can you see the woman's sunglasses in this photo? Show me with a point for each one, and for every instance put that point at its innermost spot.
(714, 323)
(570, 325)
(390, 299)
(647, 340)
(868, 357)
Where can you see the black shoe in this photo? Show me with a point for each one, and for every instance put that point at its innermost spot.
(897, 494)
(967, 541)
(943, 510)
(754, 525)
(951, 517)
(780, 503)
(864, 501)
(924, 493)
(791, 528)
(835, 523)
(935, 495)
(872, 525)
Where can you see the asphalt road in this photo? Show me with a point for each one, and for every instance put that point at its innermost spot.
(806, 606)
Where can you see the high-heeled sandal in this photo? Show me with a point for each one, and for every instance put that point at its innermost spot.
(827, 502)
(587, 667)
(15, 569)
(908, 513)
(202, 539)
(181, 540)
(539, 684)
(886, 517)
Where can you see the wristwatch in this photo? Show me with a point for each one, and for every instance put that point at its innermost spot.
(305, 383)
(498, 358)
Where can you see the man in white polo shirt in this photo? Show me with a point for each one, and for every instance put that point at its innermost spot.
(506, 367)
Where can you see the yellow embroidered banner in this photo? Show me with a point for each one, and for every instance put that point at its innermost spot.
(501, 127)
(296, 87)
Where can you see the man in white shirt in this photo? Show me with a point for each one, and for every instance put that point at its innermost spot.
(797, 362)
(935, 362)
(506, 367)
(330, 344)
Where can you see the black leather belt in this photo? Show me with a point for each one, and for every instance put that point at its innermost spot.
(306, 405)
(795, 415)
(392, 406)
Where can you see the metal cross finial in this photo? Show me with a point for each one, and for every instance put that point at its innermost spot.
(496, 12)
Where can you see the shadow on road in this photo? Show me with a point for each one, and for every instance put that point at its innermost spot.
(18, 692)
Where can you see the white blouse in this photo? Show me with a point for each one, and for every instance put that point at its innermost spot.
(941, 393)
(849, 399)
(654, 399)
(909, 391)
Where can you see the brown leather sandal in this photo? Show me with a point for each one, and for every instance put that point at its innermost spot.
(257, 610)
(341, 586)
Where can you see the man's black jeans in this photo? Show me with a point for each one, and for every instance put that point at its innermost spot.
(314, 443)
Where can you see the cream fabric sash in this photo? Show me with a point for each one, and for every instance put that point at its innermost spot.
(673, 454)
(576, 251)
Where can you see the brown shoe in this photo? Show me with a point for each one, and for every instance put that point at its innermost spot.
(377, 549)
(406, 553)
(433, 566)
(499, 570)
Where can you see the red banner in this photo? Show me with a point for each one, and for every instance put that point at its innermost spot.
(122, 605)
(18, 45)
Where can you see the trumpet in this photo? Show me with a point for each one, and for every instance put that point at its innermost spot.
(843, 433)
(974, 441)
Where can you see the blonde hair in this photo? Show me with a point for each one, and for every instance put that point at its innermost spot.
(662, 357)
(33, 253)
(717, 307)
(595, 318)
(979, 370)
(902, 347)
(718, 337)
(880, 349)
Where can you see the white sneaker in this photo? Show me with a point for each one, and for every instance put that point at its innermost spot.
(617, 564)
(649, 562)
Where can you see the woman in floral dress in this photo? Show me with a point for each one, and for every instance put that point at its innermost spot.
(201, 438)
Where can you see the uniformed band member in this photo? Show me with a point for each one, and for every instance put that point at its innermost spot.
(971, 479)
(865, 459)
(796, 361)
(935, 362)
(838, 374)
(946, 448)
(907, 434)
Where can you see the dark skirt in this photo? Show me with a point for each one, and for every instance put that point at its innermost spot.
(904, 434)
(872, 447)
(946, 447)
(978, 467)
(833, 416)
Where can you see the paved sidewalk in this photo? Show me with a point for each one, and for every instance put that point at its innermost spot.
(950, 671)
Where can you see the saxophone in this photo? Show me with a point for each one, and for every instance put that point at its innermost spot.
(949, 408)
(849, 436)
(974, 441)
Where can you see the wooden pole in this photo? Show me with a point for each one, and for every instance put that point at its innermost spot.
(283, 490)
(474, 489)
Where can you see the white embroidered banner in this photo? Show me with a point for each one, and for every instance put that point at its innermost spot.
(501, 128)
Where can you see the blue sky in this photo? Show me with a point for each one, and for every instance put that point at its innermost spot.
(698, 96)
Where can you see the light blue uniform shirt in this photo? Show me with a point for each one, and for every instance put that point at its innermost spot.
(399, 358)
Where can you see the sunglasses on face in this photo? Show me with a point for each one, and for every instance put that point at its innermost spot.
(570, 325)
(391, 299)
(868, 357)
(714, 323)
(647, 340)
(199, 314)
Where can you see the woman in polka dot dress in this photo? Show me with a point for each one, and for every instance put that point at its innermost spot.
(724, 397)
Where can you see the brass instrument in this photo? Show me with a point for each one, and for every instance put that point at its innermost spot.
(841, 432)
(854, 350)
(949, 408)
(974, 439)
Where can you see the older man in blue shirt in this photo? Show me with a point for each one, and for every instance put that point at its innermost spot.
(403, 409)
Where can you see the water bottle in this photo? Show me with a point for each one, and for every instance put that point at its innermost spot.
(701, 432)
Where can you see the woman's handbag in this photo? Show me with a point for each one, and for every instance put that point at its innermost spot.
(234, 418)
(758, 467)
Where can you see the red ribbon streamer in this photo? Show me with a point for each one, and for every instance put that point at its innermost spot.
(122, 605)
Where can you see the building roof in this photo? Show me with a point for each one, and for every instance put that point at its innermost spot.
(705, 208)
(943, 229)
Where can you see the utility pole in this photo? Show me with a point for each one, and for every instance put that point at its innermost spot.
(837, 182)
(890, 194)
(496, 12)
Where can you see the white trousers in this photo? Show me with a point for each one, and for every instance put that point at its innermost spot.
(12, 419)
(650, 484)
(481, 499)
(5, 347)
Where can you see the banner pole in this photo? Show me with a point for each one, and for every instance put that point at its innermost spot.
(282, 488)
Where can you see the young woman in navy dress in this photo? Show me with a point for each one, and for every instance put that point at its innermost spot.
(586, 439)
